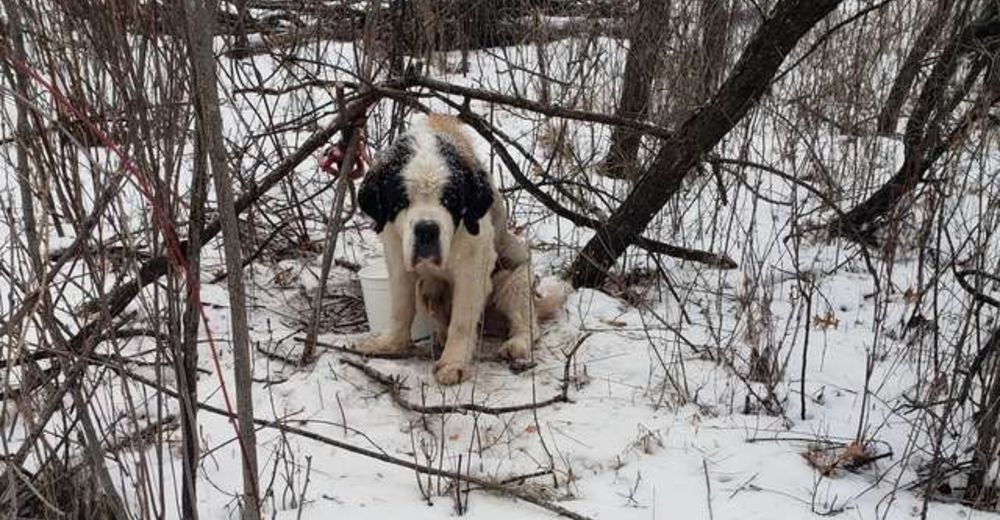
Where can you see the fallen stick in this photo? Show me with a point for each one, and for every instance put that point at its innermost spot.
(394, 384)
(489, 485)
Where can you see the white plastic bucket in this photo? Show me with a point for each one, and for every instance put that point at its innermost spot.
(375, 292)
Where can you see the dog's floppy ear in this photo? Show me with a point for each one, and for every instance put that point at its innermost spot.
(382, 194)
(369, 200)
(478, 199)
(468, 195)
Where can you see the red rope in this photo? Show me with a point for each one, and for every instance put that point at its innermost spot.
(175, 256)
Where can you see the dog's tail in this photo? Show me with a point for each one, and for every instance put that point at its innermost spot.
(550, 299)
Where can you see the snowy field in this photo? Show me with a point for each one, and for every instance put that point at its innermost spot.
(666, 413)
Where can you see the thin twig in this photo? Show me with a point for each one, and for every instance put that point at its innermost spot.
(394, 385)
(488, 485)
(541, 108)
(708, 489)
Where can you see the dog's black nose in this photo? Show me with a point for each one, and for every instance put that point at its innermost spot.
(426, 232)
(426, 240)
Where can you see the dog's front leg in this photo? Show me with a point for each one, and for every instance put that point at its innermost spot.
(471, 288)
(402, 293)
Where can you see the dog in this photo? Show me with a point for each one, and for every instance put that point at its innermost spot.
(443, 227)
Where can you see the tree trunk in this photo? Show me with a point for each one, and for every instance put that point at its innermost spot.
(649, 29)
(93, 448)
(773, 41)
(978, 486)
(714, 16)
(911, 67)
(209, 119)
(242, 17)
(923, 140)
(23, 131)
(186, 361)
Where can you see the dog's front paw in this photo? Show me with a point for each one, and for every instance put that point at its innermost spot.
(515, 349)
(382, 344)
(450, 373)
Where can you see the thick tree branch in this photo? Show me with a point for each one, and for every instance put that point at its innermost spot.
(774, 40)
(493, 135)
(541, 108)
(925, 140)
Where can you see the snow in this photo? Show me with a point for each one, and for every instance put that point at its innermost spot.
(621, 449)
(655, 427)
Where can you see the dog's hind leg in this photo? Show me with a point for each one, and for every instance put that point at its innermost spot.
(513, 297)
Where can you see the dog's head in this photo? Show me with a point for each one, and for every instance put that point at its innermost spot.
(429, 189)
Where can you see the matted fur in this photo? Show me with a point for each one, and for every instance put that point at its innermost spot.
(432, 174)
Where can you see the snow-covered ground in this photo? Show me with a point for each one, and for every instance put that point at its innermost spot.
(656, 426)
(661, 421)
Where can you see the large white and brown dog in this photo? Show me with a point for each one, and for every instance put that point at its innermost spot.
(443, 226)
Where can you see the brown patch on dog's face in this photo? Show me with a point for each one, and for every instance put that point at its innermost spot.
(451, 128)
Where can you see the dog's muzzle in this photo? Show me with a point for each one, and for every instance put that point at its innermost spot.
(426, 242)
